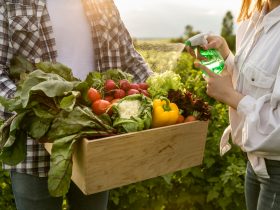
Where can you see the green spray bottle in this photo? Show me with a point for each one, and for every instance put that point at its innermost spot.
(214, 60)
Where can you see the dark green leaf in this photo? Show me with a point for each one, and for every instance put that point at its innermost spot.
(68, 123)
(59, 176)
(16, 152)
(20, 65)
(43, 111)
(57, 68)
(68, 102)
(38, 127)
(50, 84)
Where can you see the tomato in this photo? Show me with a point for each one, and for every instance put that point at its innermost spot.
(93, 94)
(180, 119)
(190, 118)
(100, 106)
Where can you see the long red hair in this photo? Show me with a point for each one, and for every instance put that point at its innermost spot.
(247, 9)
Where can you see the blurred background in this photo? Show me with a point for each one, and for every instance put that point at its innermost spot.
(168, 18)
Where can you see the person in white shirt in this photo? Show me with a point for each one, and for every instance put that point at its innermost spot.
(250, 85)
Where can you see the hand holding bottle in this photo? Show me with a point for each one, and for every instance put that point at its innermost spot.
(220, 86)
(210, 50)
(218, 43)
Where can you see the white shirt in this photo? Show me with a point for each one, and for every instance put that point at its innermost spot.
(255, 126)
(73, 36)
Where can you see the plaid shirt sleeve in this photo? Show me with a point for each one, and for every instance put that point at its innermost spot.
(7, 86)
(20, 34)
(113, 43)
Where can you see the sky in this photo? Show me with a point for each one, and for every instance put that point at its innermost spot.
(168, 18)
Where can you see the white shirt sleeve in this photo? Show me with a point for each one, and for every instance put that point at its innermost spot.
(261, 128)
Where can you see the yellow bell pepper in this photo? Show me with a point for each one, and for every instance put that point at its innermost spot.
(164, 113)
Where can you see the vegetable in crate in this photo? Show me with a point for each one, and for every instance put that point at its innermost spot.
(50, 104)
(132, 113)
(190, 105)
(161, 83)
(164, 113)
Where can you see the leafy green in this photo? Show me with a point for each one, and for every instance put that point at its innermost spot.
(20, 65)
(61, 165)
(49, 105)
(161, 83)
(58, 69)
(132, 113)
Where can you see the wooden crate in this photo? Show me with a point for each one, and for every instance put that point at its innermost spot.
(112, 162)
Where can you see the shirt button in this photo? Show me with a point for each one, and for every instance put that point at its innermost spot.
(253, 79)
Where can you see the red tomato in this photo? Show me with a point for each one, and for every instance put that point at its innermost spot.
(93, 94)
(100, 106)
(190, 118)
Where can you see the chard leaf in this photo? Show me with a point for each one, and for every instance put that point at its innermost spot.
(50, 84)
(38, 127)
(42, 111)
(5, 131)
(16, 152)
(79, 119)
(59, 176)
(68, 102)
(20, 65)
(68, 123)
(83, 87)
(15, 127)
(57, 68)
(11, 104)
(53, 88)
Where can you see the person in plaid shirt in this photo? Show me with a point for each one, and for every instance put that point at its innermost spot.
(83, 34)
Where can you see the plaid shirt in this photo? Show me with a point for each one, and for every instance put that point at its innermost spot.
(25, 29)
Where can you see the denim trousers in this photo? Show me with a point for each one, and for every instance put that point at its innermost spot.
(263, 193)
(31, 193)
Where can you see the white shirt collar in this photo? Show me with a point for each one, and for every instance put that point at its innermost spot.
(266, 20)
